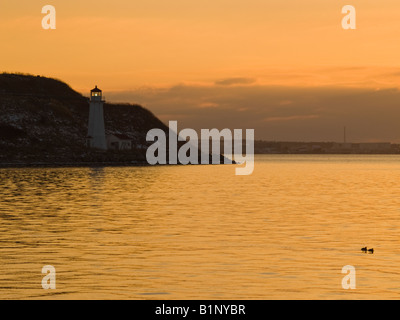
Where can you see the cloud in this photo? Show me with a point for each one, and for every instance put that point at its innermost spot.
(235, 81)
(277, 112)
(285, 102)
(208, 105)
(291, 118)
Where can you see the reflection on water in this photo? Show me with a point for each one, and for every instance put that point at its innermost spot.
(200, 232)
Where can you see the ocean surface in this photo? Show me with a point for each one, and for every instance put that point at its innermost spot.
(201, 232)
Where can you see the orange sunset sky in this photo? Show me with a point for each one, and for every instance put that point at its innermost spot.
(283, 67)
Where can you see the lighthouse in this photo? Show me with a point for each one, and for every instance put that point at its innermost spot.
(96, 133)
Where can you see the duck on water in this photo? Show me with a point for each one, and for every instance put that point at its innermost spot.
(365, 249)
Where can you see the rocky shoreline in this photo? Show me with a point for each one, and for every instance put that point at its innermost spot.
(17, 165)
(72, 165)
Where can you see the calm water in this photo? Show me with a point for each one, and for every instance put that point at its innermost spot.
(200, 232)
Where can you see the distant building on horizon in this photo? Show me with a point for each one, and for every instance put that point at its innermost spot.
(375, 146)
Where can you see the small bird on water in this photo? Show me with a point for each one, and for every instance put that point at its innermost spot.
(365, 249)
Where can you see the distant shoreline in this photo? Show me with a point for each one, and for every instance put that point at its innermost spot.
(329, 153)
(92, 165)
(72, 165)
(8, 165)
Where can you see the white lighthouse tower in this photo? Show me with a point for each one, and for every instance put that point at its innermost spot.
(96, 133)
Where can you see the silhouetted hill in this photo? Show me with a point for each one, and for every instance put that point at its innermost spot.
(44, 120)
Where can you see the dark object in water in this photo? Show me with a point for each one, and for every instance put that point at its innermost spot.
(371, 250)
(364, 249)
